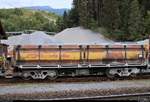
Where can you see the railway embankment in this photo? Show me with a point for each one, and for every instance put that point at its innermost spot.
(49, 90)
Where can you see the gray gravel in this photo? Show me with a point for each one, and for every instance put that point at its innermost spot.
(36, 38)
(28, 88)
(78, 35)
(146, 41)
(75, 35)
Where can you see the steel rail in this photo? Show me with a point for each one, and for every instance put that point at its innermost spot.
(96, 97)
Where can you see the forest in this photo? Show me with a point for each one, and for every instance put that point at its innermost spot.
(121, 20)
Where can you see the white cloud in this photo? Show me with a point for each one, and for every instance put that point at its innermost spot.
(24, 3)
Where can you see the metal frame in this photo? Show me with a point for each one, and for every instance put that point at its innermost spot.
(79, 66)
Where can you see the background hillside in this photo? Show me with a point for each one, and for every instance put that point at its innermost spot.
(23, 19)
(48, 9)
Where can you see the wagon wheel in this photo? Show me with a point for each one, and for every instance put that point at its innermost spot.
(109, 75)
(53, 76)
(26, 77)
(133, 75)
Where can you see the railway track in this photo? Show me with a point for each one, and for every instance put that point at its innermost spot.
(73, 79)
(140, 92)
(140, 97)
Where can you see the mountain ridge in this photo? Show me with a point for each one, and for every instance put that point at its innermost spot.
(48, 9)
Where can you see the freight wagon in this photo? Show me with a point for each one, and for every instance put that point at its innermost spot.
(51, 61)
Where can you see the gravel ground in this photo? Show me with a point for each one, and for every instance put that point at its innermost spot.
(57, 90)
(44, 87)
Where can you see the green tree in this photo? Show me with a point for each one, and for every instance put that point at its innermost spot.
(99, 11)
(60, 24)
(83, 13)
(111, 15)
(124, 13)
(135, 20)
(147, 24)
(73, 18)
(87, 16)
(18, 12)
(65, 19)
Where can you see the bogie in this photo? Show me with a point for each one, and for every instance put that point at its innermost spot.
(122, 72)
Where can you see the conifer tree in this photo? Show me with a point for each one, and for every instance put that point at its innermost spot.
(135, 19)
(124, 13)
(83, 13)
(111, 15)
(74, 14)
(99, 11)
(65, 19)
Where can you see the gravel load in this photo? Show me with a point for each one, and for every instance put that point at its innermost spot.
(78, 35)
(36, 38)
(143, 41)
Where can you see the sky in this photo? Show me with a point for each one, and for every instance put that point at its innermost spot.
(26, 3)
